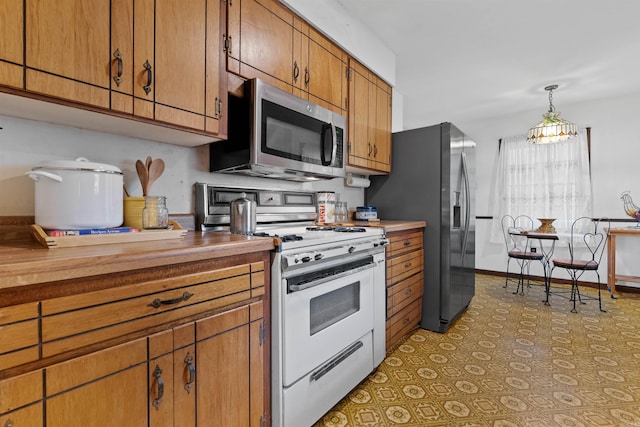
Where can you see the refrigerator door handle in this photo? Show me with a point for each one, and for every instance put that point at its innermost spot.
(467, 203)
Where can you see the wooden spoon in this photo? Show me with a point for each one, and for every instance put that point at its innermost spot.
(143, 175)
(155, 170)
(148, 162)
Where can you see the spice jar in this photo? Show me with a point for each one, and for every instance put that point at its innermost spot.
(155, 214)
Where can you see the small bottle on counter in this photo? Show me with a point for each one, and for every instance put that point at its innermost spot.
(342, 214)
(155, 214)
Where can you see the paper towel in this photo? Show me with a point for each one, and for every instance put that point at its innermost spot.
(353, 181)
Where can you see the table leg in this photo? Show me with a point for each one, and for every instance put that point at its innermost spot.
(611, 265)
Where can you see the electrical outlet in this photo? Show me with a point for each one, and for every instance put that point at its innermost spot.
(533, 250)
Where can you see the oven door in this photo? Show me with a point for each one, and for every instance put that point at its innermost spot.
(325, 316)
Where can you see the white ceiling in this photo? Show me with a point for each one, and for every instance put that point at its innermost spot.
(461, 60)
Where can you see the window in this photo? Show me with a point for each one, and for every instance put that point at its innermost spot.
(543, 180)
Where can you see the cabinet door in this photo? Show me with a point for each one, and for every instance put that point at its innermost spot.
(102, 389)
(359, 143)
(185, 376)
(121, 70)
(24, 392)
(382, 129)
(327, 84)
(216, 84)
(68, 49)
(143, 58)
(11, 45)
(223, 397)
(260, 35)
(180, 61)
(369, 120)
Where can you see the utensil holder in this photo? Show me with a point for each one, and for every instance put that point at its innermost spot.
(132, 211)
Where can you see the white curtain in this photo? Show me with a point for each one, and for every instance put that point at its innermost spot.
(543, 181)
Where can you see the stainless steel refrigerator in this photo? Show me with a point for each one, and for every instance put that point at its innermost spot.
(433, 179)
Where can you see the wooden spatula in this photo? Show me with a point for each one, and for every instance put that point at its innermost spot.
(155, 170)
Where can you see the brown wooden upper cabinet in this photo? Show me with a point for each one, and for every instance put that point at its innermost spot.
(369, 121)
(266, 40)
(157, 60)
(11, 46)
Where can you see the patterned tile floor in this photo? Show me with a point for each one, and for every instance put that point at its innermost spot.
(509, 360)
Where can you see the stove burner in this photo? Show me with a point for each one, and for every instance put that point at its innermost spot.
(349, 230)
(261, 234)
(290, 237)
(321, 228)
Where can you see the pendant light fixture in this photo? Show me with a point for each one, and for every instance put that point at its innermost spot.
(552, 128)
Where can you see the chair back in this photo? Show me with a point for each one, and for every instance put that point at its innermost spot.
(512, 231)
(589, 235)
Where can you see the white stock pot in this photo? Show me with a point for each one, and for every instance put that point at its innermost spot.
(77, 194)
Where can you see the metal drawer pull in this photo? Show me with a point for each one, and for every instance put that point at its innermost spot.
(118, 77)
(147, 87)
(158, 302)
(296, 71)
(407, 264)
(192, 372)
(336, 361)
(407, 242)
(157, 374)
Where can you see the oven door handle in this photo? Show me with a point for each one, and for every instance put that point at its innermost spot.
(336, 361)
(307, 285)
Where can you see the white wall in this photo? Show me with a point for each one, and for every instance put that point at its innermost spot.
(26, 143)
(615, 150)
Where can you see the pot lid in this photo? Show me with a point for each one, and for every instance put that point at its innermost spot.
(79, 164)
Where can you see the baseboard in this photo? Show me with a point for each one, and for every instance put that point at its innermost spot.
(619, 288)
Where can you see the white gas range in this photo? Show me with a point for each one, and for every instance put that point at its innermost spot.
(328, 299)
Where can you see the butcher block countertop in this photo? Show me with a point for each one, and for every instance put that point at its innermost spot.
(25, 262)
(391, 226)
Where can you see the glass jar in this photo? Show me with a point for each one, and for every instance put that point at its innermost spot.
(155, 214)
(342, 215)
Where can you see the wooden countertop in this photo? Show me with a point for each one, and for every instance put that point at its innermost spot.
(390, 225)
(25, 262)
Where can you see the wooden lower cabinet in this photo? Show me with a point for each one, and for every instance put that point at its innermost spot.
(200, 364)
(405, 284)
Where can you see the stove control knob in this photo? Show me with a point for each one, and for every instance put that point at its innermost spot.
(305, 259)
(383, 242)
(351, 249)
(318, 257)
(375, 245)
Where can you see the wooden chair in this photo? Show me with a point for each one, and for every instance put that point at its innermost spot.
(518, 249)
(586, 246)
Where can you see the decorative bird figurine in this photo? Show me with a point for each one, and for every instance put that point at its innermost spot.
(630, 208)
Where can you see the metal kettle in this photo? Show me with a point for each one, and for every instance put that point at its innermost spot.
(243, 215)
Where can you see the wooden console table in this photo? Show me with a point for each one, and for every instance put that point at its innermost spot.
(611, 258)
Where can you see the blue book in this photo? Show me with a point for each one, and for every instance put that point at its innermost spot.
(91, 231)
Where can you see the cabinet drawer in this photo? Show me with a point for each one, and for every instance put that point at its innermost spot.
(403, 243)
(404, 293)
(19, 332)
(403, 266)
(80, 320)
(403, 322)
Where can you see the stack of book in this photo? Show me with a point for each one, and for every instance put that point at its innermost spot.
(91, 231)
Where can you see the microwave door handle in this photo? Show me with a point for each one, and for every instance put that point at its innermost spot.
(326, 144)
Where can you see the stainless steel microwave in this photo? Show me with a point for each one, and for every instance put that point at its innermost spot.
(274, 134)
